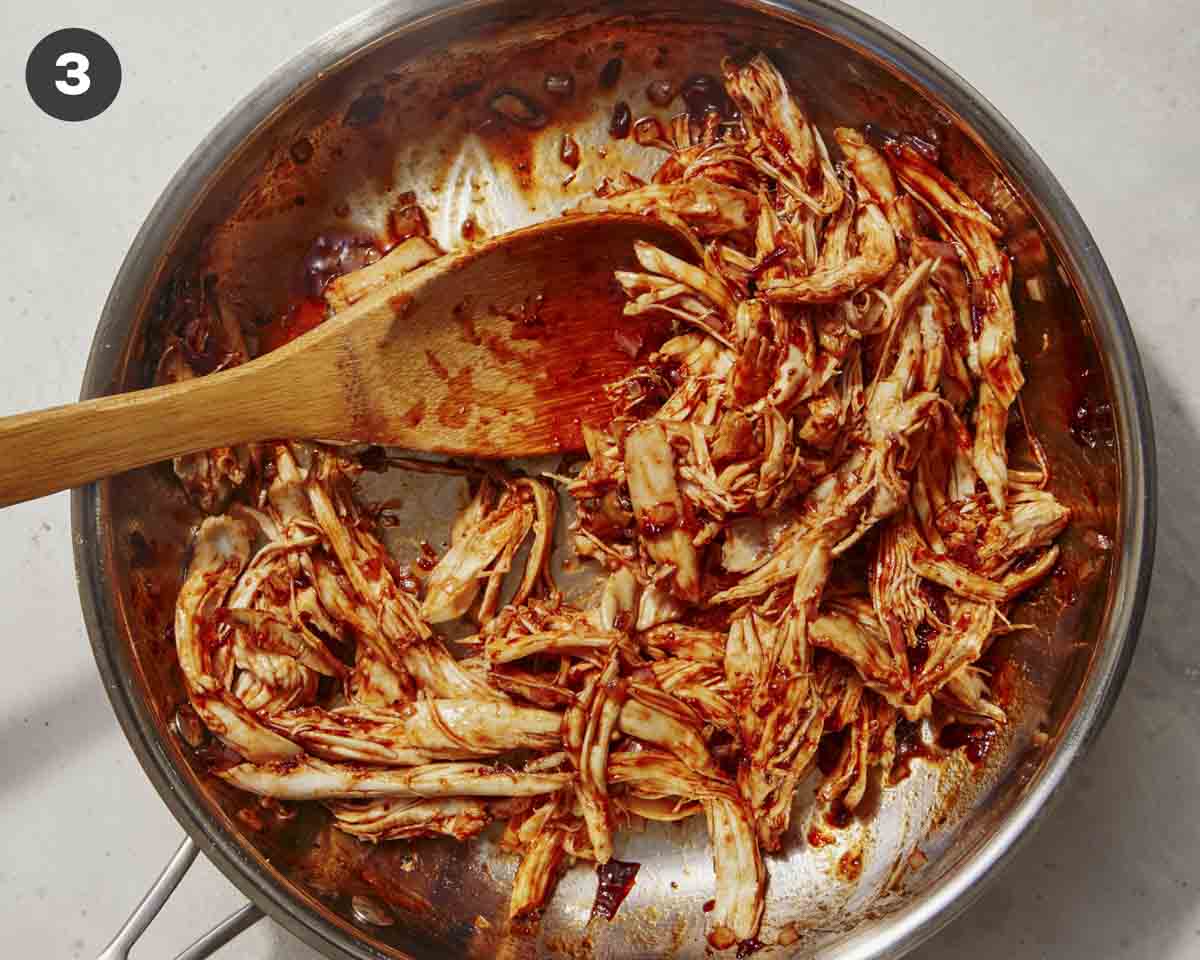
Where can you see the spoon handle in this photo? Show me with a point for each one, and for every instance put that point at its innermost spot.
(62, 447)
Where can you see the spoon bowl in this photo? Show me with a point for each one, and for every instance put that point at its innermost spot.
(498, 350)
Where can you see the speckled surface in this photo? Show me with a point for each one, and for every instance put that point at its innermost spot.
(1107, 92)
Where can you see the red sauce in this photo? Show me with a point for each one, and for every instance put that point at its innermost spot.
(622, 118)
(918, 652)
(610, 73)
(963, 552)
(406, 220)
(466, 321)
(814, 177)
(975, 739)
(581, 341)
(1004, 672)
(568, 151)
(215, 756)
(703, 92)
(935, 595)
(709, 906)
(455, 410)
(333, 254)
(838, 815)
(819, 838)
(979, 309)
(1027, 559)
(829, 751)
(955, 336)
(781, 252)
(510, 144)
(436, 365)
(909, 747)
(299, 318)
(850, 865)
(726, 751)
(1087, 416)
(460, 91)
(414, 415)
(381, 872)
(616, 879)
(657, 526)
(428, 558)
(928, 151)
(1087, 422)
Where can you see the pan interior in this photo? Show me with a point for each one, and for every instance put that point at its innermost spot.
(411, 115)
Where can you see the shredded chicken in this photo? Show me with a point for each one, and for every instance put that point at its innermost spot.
(205, 336)
(802, 507)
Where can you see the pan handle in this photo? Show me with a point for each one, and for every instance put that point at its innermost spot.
(157, 896)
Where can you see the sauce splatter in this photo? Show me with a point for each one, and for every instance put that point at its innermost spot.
(568, 151)
(436, 365)
(910, 746)
(976, 740)
(610, 73)
(461, 396)
(616, 879)
(618, 126)
(414, 414)
(333, 254)
(819, 838)
(453, 412)
(918, 651)
(838, 815)
(571, 343)
(428, 558)
(850, 865)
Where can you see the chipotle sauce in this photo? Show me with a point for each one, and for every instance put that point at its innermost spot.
(975, 740)
(910, 746)
(616, 879)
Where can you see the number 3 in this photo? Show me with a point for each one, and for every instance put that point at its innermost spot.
(77, 80)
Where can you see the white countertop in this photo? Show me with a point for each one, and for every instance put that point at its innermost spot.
(1108, 92)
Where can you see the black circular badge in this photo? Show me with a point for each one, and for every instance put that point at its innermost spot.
(73, 74)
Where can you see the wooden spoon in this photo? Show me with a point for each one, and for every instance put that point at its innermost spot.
(498, 350)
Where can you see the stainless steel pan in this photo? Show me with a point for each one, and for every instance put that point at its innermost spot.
(397, 100)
